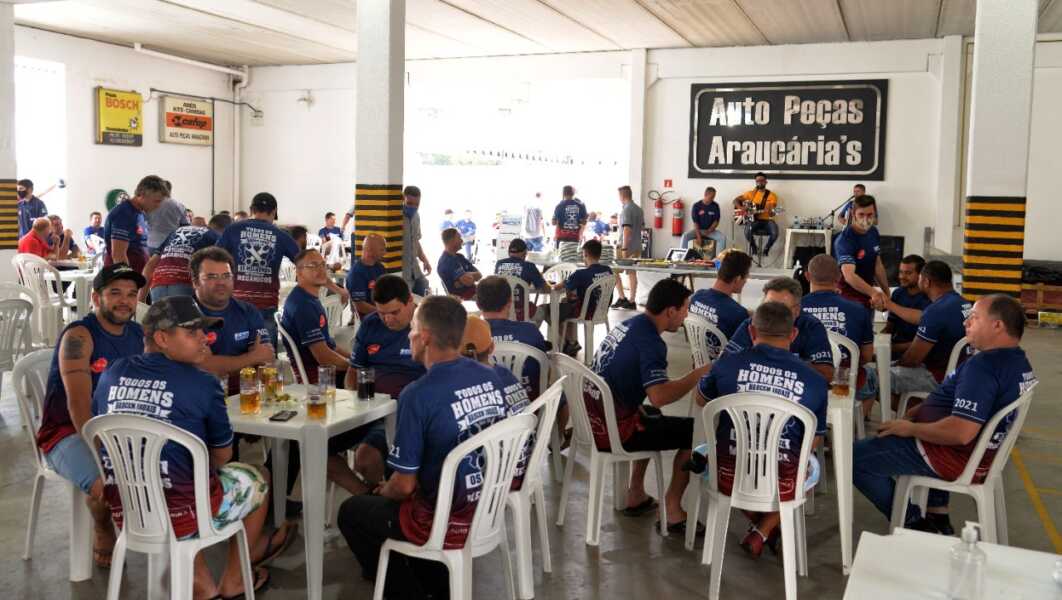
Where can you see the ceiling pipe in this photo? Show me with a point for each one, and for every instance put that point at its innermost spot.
(195, 63)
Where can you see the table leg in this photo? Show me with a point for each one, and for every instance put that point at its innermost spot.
(280, 480)
(314, 450)
(788, 240)
(842, 463)
(883, 358)
(554, 322)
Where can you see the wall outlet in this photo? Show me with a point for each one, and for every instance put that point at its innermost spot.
(257, 118)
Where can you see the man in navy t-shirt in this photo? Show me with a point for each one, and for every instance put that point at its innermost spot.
(330, 230)
(576, 285)
(433, 418)
(906, 305)
(717, 305)
(166, 384)
(494, 299)
(943, 430)
(95, 228)
(705, 215)
(768, 368)
(922, 366)
(569, 217)
(125, 231)
(242, 339)
(858, 251)
(632, 359)
(811, 344)
(518, 266)
(458, 275)
(305, 319)
(361, 279)
(167, 269)
(382, 341)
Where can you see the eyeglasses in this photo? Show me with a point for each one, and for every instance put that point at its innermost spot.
(313, 265)
(212, 277)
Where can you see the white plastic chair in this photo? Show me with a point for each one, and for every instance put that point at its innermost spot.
(521, 289)
(141, 311)
(759, 420)
(54, 307)
(837, 343)
(31, 381)
(698, 329)
(94, 245)
(134, 446)
(988, 495)
(531, 493)
(287, 270)
(501, 446)
(333, 307)
(953, 363)
(34, 336)
(294, 356)
(313, 241)
(559, 272)
(578, 377)
(14, 332)
(602, 290)
(513, 356)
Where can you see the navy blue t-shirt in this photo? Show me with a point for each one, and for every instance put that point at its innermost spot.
(452, 402)
(812, 344)
(942, 325)
(243, 324)
(387, 352)
(840, 315)
(176, 252)
(515, 267)
(579, 281)
(705, 214)
(570, 215)
(902, 331)
(127, 224)
(90, 230)
(861, 250)
(631, 359)
(258, 248)
(504, 330)
(722, 311)
(182, 395)
(976, 391)
(467, 229)
(361, 280)
(326, 233)
(306, 322)
(451, 267)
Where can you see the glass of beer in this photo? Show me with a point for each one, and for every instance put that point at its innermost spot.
(840, 386)
(326, 378)
(366, 384)
(316, 404)
(250, 399)
(267, 375)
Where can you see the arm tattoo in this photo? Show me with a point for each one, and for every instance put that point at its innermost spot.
(73, 347)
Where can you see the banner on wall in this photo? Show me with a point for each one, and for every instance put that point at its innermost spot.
(186, 121)
(795, 130)
(119, 117)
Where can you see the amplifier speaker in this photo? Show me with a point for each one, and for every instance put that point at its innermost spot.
(891, 254)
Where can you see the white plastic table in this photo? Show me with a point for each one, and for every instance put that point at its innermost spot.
(555, 298)
(348, 413)
(883, 361)
(825, 233)
(81, 279)
(914, 565)
(839, 415)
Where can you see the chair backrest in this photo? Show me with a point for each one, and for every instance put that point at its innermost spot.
(516, 284)
(598, 294)
(500, 447)
(293, 350)
(579, 381)
(545, 408)
(31, 381)
(837, 342)
(1017, 410)
(758, 423)
(134, 446)
(559, 272)
(514, 355)
(141, 311)
(333, 307)
(957, 353)
(10, 290)
(699, 332)
(43, 280)
(14, 330)
(94, 244)
(313, 241)
(287, 270)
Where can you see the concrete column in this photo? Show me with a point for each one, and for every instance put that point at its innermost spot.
(379, 125)
(952, 69)
(8, 198)
(998, 156)
(636, 158)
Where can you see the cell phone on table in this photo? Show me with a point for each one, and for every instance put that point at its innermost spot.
(284, 415)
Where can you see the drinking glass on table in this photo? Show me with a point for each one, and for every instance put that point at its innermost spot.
(250, 398)
(366, 384)
(326, 378)
(316, 404)
(840, 385)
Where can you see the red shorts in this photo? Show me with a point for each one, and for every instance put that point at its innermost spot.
(786, 478)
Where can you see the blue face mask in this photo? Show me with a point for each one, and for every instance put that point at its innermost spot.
(409, 211)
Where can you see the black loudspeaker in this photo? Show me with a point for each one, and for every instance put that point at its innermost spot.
(891, 253)
(802, 255)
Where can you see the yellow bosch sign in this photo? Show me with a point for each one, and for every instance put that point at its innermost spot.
(119, 118)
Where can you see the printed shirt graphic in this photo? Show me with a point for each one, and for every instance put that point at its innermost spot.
(942, 325)
(451, 267)
(306, 322)
(768, 370)
(517, 402)
(182, 395)
(902, 331)
(705, 214)
(452, 402)
(521, 269)
(175, 252)
(579, 281)
(569, 215)
(631, 359)
(811, 345)
(378, 347)
(861, 250)
(106, 348)
(258, 247)
(127, 224)
(976, 391)
(504, 330)
(840, 315)
(243, 324)
(361, 280)
(722, 311)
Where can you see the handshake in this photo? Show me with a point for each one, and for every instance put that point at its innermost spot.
(878, 300)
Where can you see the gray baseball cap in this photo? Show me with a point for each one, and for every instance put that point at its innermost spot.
(177, 311)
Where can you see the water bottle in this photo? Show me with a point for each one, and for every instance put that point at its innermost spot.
(966, 579)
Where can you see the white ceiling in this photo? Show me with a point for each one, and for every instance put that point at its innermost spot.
(263, 32)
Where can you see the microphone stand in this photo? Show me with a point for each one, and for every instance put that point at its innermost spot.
(833, 213)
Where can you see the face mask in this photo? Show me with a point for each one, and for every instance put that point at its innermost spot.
(409, 211)
(865, 223)
(22, 193)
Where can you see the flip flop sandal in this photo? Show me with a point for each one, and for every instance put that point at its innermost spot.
(102, 557)
(261, 579)
(272, 552)
(649, 505)
(680, 528)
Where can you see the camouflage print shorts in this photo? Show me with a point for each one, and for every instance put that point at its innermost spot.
(244, 489)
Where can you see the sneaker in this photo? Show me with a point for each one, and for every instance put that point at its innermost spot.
(922, 524)
(942, 523)
(572, 348)
(620, 303)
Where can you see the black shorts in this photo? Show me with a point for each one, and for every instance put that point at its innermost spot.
(661, 432)
(374, 434)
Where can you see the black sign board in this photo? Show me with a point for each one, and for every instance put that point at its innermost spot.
(788, 129)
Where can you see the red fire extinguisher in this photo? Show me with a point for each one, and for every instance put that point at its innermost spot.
(658, 213)
(677, 218)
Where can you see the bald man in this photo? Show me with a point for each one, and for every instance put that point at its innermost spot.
(36, 239)
(361, 279)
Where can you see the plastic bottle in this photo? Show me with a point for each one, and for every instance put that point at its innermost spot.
(966, 578)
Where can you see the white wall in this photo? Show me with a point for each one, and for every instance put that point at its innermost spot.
(1045, 161)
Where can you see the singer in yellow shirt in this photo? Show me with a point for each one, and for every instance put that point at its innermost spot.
(763, 202)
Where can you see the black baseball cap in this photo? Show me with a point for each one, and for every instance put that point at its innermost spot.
(177, 311)
(517, 245)
(115, 272)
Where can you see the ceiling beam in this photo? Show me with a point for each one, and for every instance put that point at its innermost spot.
(493, 23)
(844, 23)
(741, 9)
(262, 16)
(581, 24)
(664, 23)
(940, 15)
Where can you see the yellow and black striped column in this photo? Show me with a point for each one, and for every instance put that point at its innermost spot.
(993, 246)
(8, 215)
(378, 209)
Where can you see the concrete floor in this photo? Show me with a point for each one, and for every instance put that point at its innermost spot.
(632, 561)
